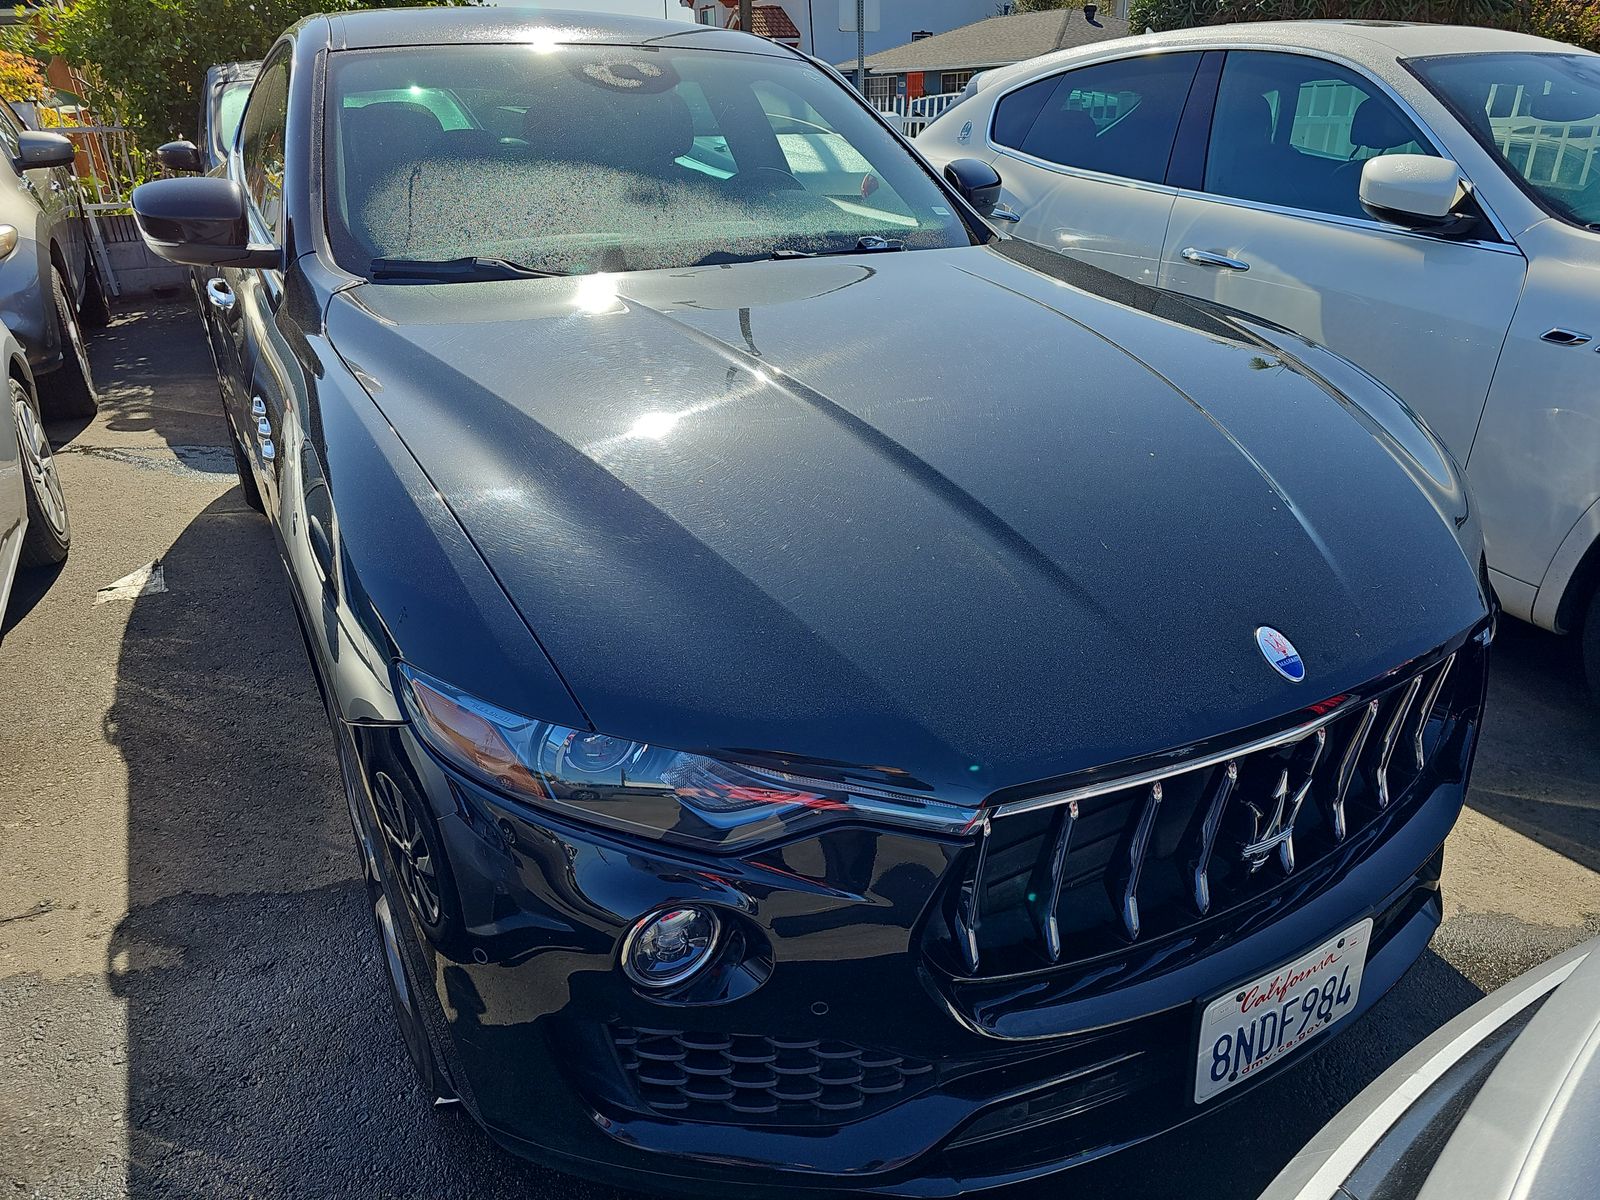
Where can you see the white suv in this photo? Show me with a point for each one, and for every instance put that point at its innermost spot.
(1422, 199)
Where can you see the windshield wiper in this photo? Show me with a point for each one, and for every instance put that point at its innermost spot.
(865, 245)
(469, 269)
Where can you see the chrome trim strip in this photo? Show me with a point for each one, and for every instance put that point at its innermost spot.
(1428, 703)
(1391, 738)
(1137, 849)
(1050, 926)
(1155, 774)
(967, 909)
(1324, 218)
(1208, 836)
(1347, 770)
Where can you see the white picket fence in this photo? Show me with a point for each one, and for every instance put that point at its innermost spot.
(918, 114)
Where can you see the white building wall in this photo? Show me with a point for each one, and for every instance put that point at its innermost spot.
(818, 22)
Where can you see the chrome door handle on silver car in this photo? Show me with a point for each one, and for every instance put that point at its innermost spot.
(220, 294)
(1204, 258)
(1563, 337)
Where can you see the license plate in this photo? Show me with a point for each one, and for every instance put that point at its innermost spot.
(1253, 1026)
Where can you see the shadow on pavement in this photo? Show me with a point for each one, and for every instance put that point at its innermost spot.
(263, 1058)
(29, 586)
(1539, 767)
(133, 360)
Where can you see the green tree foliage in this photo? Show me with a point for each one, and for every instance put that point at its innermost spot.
(152, 54)
(1023, 6)
(1574, 21)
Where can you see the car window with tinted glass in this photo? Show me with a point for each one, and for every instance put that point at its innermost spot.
(1120, 117)
(261, 142)
(1293, 131)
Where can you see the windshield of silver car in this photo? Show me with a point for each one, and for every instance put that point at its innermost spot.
(1539, 113)
(572, 159)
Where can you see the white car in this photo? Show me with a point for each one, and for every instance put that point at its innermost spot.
(34, 530)
(1422, 199)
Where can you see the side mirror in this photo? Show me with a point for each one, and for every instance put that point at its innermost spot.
(180, 157)
(1416, 191)
(977, 181)
(35, 149)
(199, 221)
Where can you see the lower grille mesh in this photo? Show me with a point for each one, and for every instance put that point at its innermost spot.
(736, 1077)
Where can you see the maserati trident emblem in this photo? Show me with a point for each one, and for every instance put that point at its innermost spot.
(1272, 824)
(1280, 652)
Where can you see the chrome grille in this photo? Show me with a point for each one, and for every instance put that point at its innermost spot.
(1080, 873)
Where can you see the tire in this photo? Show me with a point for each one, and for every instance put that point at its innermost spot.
(247, 476)
(68, 391)
(1591, 643)
(49, 535)
(403, 997)
(95, 311)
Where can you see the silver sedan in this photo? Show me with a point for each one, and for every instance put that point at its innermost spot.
(1502, 1103)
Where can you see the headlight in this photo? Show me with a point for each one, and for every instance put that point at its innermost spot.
(645, 789)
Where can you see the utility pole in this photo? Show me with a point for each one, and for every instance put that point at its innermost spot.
(746, 17)
(861, 46)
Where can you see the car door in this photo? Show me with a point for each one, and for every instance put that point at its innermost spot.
(250, 297)
(1083, 157)
(54, 190)
(1271, 225)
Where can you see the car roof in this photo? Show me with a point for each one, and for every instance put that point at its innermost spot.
(373, 28)
(1375, 44)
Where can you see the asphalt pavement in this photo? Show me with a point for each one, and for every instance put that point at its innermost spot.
(190, 997)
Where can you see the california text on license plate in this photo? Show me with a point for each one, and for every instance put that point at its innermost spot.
(1255, 1025)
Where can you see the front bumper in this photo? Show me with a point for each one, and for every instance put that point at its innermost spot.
(898, 1076)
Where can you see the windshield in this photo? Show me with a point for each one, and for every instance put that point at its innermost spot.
(230, 107)
(579, 159)
(1540, 113)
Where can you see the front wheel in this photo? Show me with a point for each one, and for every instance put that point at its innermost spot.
(49, 533)
(95, 311)
(68, 391)
(1591, 643)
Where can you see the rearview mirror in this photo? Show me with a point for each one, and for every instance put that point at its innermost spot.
(977, 181)
(199, 221)
(1416, 191)
(181, 156)
(35, 149)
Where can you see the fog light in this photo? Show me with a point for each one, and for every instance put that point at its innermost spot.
(8, 239)
(669, 946)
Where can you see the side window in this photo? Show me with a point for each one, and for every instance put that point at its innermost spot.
(1015, 114)
(9, 128)
(1294, 131)
(261, 144)
(1117, 117)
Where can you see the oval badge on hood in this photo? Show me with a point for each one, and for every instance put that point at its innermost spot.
(1280, 652)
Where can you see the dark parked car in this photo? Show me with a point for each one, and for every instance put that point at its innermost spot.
(49, 288)
(222, 98)
(828, 696)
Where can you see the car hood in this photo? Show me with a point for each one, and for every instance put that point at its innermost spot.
(933, 512)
